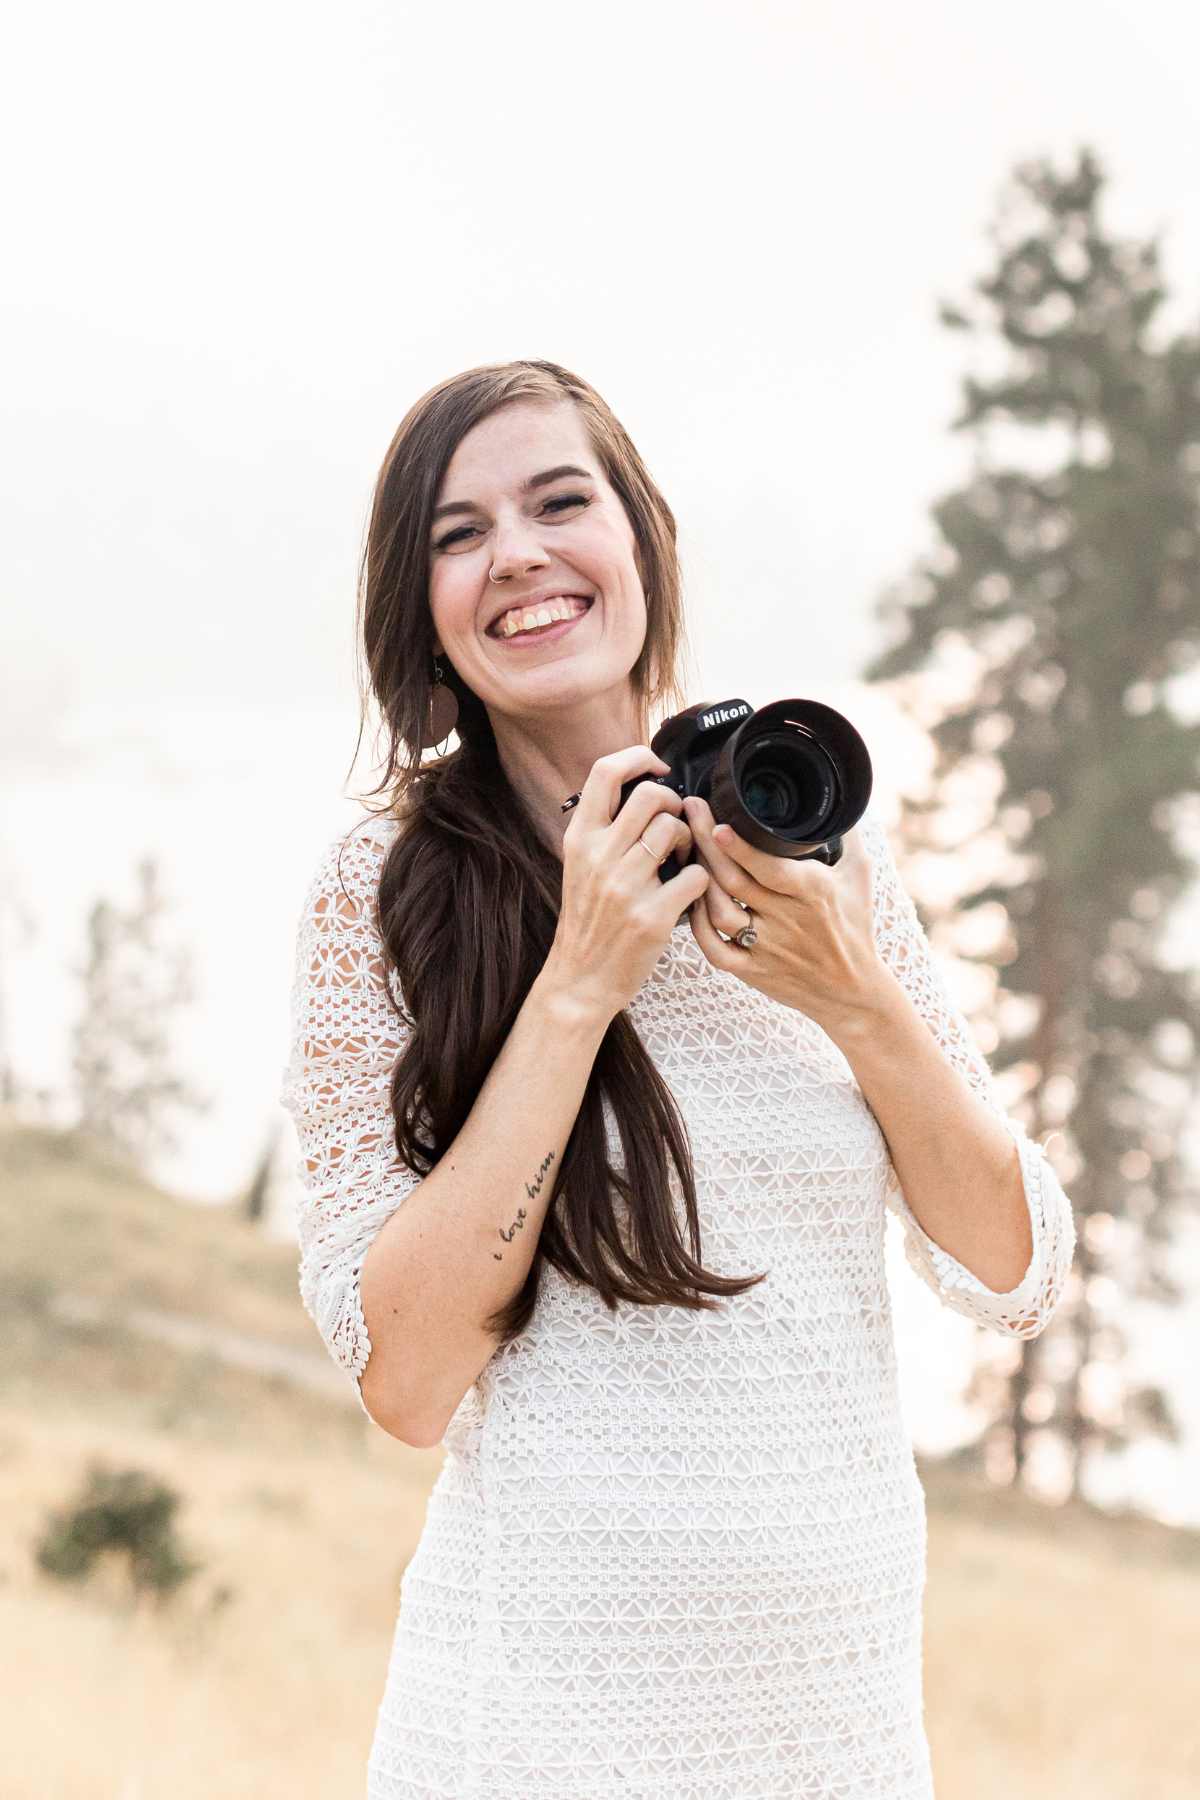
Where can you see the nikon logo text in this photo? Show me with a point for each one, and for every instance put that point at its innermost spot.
(721, 714)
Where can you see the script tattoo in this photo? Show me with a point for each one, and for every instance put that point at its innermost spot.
(518, 1223)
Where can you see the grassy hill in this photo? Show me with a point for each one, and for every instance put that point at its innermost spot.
(1061, 1644)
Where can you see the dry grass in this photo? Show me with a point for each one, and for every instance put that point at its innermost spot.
(74, 1222)
(260, 1678)
(1061, 1651)
(1061, 1647)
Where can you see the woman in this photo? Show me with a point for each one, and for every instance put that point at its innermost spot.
(596, 1188)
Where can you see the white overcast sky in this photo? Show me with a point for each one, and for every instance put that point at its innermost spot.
(241, 239)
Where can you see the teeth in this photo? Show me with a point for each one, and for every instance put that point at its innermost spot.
(528, 618)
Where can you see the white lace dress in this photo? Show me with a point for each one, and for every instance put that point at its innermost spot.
(673, 1555)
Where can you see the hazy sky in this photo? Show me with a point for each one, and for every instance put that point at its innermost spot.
(242, 239)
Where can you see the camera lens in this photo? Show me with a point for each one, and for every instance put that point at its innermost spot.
(792, 777)
(770, 796)
(786, 785)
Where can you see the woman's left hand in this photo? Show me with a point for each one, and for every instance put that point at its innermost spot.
(816, 946)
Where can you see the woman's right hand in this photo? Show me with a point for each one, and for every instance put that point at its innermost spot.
(616, 915)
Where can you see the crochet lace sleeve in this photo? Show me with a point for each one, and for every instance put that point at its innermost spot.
(1025, 1309)
(345, 1038)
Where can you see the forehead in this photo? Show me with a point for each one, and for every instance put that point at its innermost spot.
(514, 443)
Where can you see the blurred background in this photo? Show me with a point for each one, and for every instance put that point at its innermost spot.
(902, 307)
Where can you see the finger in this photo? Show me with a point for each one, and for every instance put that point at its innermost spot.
(657, 838)
(723, 909)
(601, 791)
(720, 954)
(780, 874)
(733, 875)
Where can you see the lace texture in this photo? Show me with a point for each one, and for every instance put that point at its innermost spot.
(671, 1555)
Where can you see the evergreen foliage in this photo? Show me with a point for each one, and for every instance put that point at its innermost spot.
(134, 984)
(1066, 579)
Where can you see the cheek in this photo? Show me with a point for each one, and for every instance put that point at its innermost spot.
(618, 570)
(451, 600)
(609, 542)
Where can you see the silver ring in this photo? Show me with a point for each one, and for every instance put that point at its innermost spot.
(747, 937)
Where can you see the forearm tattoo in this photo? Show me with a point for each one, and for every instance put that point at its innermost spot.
(518, 1223)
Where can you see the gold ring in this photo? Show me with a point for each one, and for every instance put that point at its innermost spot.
(658, 859)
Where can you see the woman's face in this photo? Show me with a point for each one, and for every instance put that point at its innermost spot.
(508, 543)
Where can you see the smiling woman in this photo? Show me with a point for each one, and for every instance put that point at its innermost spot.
(558, 514)
(677, 1545)
(545, 520)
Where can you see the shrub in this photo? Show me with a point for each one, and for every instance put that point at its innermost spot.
(121, 1510)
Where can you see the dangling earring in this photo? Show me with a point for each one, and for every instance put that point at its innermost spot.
(442, 715)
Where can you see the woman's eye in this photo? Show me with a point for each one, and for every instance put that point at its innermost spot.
(560, 500)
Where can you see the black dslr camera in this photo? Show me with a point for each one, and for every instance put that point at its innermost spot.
(789, 778)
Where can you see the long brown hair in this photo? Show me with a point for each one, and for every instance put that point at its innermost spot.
(469, 891)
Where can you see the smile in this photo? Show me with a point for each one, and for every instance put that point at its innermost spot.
(541, 634)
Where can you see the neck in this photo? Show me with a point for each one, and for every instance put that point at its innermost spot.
(548, 755)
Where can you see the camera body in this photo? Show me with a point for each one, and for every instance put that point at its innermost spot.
(790, 778)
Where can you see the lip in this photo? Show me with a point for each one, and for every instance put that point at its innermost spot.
(551, 633)
(538, 599)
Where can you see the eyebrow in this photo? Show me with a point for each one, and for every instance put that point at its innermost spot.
(527, 487)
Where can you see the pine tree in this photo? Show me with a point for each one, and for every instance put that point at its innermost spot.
(1067, 583)
(256, 1199)
(134, 984)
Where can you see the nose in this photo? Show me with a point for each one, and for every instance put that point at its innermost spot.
(517, 548)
